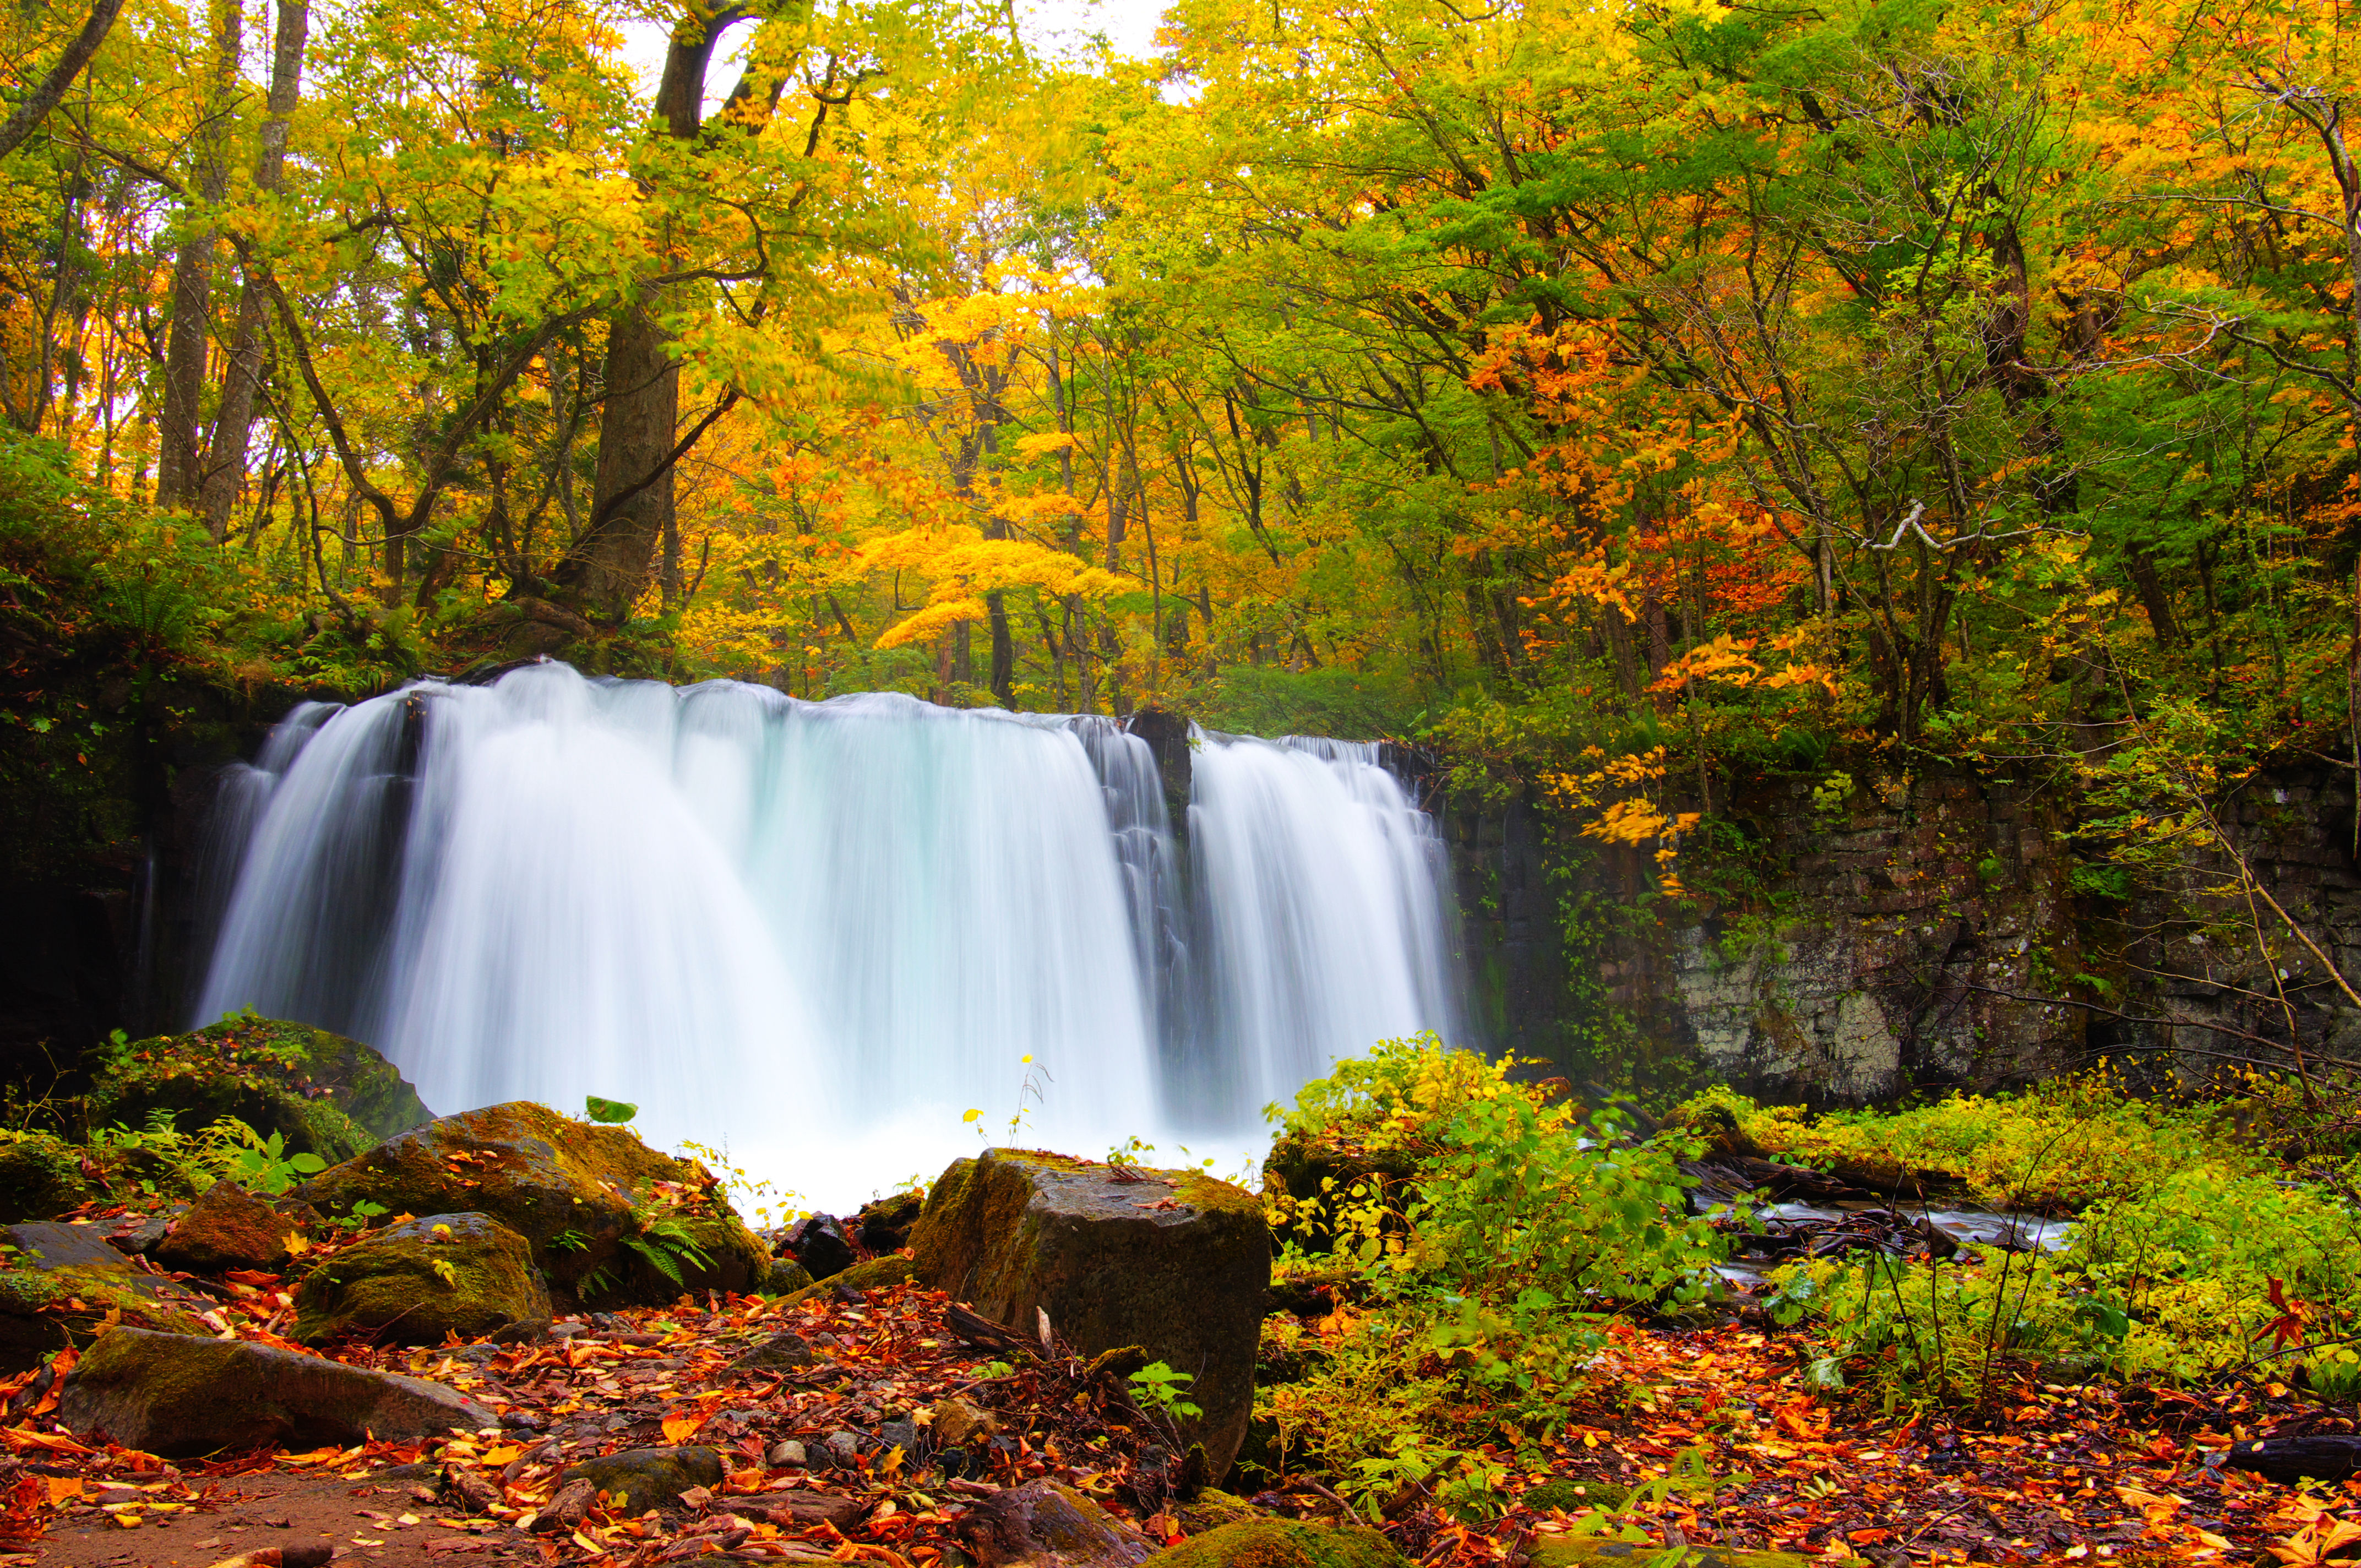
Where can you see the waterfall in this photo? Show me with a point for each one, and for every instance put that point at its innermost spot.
(815, 935)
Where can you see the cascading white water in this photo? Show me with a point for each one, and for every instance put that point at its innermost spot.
(816, 934)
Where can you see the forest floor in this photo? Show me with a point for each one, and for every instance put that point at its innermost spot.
(2052, 1474)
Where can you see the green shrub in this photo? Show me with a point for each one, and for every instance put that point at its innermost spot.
(2197, 1259)
(1488, 1273)
(2056, 1146)
(1925, 1333)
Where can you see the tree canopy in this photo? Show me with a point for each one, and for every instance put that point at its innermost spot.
(1978, 381)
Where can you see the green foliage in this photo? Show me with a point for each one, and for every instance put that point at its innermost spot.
(2060, 1145)
(610, 1112)
(2195, 1255)
(1939, 1334)
(1491, 1273)
(263, 1165)
(1160, 1390)
(665, 1243)
(2212, 1263)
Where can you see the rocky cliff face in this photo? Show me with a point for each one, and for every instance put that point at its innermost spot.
(1918, 933)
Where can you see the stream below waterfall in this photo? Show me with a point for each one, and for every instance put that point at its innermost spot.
(815, 936)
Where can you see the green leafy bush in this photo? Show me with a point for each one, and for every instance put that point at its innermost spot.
(2057, 1147)
(1490, 1271)
(1933, 1333)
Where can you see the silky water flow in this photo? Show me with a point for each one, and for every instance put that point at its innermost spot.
(814, 936)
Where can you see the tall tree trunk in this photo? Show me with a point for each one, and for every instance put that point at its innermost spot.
(235, 422)
(36, 108)
(180, 466)
(631, 504)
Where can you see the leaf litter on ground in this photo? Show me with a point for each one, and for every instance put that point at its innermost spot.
(1750, 1455)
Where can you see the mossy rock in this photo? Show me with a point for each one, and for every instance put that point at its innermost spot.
(1572, 1496)
(419, 1281)
(1174, 1261)
(786, 1277)
(1560, 1551)
(1211, 1510)
(1049, 1526)
(648, 1477)
(60, 1287)
(227, 1227)
(182, 1395)
(40, 1177)
(322, 1093)
(876, 1274)
(883, 1225)
(594, 1204)
(1265, 1543)
(1313, 1166)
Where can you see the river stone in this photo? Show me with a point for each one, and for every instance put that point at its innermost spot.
(62, 1282)
(226, 1227)
(1014, 1234)
(1045, 1525)
(1268, 1542)
(780, 1352)
(322, 1093)
(648, 1477)
(580, 1194)
(178, 1395)
(959, 1423)
(387, 1285)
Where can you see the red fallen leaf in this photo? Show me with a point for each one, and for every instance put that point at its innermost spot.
(1869, 1536)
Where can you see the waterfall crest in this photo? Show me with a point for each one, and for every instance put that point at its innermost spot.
(816, 934)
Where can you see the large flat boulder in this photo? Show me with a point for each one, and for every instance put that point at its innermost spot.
(610, 1221)
(322, 1093)
(416, 1282)
(1172, 1261)
(179, 1396)
(63, 1284)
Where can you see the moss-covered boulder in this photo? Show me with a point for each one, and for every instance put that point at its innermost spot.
(1308, 1174)
(876, 1274)
(1211, 1510)
(786, 1277)
(42, 1177)
(1173, 1261)
(321, 1092)
(1267, 1543)
(177, 1395)
(59, 1291)
(1559, 1552)
(227, 1227)
(1045, 1525)
(416, 1282)
(645, 1479)
(610, 1221)
(883, 1224)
